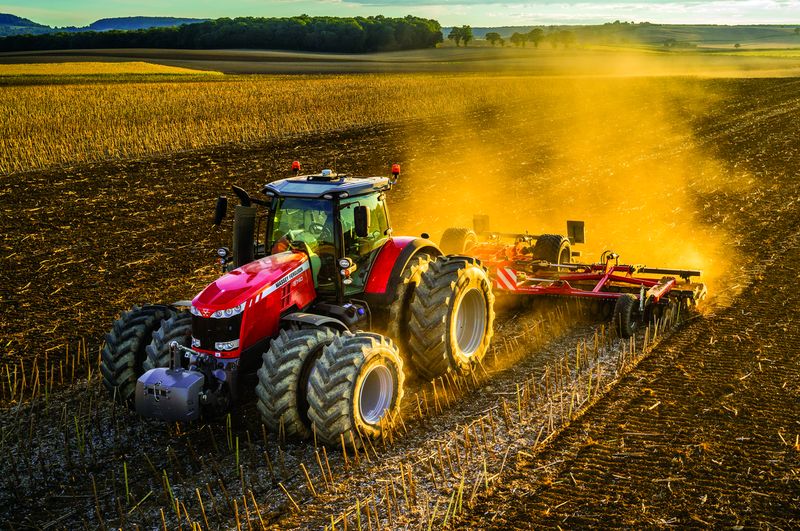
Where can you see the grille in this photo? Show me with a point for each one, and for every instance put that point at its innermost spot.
(210, 331)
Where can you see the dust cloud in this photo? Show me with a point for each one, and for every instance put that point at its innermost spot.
(619, 154)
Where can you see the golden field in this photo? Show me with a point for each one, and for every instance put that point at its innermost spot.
(76, 123)
(90, 68)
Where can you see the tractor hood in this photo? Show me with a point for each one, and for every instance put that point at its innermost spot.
(259, 277)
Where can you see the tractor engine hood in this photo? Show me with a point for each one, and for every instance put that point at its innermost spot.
(255, 279)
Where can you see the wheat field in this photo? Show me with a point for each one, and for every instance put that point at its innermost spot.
(64, 124)
(93, 68)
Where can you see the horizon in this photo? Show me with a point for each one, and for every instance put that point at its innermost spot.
(477, 13)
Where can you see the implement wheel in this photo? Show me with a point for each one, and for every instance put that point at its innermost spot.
(283, 379)
(123, 356)
(553, 248)
(626, 315)
(177, 328)
(457, 240)
(452, 317)
(353, 387)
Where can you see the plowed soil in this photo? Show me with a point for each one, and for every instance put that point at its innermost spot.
(704, 431)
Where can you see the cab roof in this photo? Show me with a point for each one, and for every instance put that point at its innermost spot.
(315, 186)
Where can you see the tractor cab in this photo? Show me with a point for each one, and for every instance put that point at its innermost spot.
(339, 222)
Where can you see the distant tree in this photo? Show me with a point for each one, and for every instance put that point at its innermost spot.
(466, 34)
(566, 38)
(493, 37)
(502, 42)
(456, 34)
(519, 39)
(737, 45)
(536, 35)
(797, 31)
(670, 43)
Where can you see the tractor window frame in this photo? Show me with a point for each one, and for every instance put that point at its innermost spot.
(380, 227)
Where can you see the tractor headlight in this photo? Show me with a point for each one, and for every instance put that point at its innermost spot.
(226, 345)
(224, 314)
(194, 311)
(195, 342)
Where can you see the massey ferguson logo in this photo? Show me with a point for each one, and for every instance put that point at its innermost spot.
(205, 312)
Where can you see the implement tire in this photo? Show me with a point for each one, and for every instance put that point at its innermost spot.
(283, 379)
(399, 309)
(177, 328)
(355, 384)
(452, 317)
(457, 240)
(123, 356)
(553, 248)
(626, 315)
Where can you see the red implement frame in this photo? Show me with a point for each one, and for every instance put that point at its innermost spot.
(516, 273)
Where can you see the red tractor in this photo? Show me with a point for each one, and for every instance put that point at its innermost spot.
(314, 264)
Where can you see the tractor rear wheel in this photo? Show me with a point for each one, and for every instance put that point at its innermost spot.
(283, 379)
(452, 317)
(626, 315)
(353, 387)
(123, 356)
(457, 240)
(399, 310)
(552, 247)
(177, 328)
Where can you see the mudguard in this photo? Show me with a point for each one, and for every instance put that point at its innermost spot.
(388, 267)
(315, 320)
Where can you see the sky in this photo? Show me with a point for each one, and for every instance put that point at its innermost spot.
(447, 12)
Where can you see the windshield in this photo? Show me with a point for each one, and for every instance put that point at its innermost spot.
(306, 224)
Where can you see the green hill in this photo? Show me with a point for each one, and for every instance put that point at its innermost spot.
(14, 25)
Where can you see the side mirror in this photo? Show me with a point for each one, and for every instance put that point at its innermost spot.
(221, 209)
(361, 215)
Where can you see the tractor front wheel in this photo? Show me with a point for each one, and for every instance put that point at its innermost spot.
(177, 328)
(354, 386)
(123, 356)
(626, 315)
(283, 379)
(452, 317)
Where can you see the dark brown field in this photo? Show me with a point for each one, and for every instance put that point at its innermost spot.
(701, 430)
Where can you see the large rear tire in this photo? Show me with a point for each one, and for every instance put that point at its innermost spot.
(400, 309)
(283, 379)
(354, 385)
(123, 356)
(457, 240)
(177, 328)
(553, 248)
(452, 317)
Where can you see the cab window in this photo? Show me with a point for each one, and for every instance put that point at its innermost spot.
(362, 250)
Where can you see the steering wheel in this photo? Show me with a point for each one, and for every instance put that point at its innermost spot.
(320, 231)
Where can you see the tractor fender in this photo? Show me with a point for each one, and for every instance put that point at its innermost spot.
(390, 264)
(315, 320)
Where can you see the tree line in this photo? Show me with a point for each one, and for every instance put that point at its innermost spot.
(566, 38)
(304, 33)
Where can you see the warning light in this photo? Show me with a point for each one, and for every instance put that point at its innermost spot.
(395, 169)
(296, 167)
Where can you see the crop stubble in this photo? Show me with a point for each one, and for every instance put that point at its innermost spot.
(145, 221)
